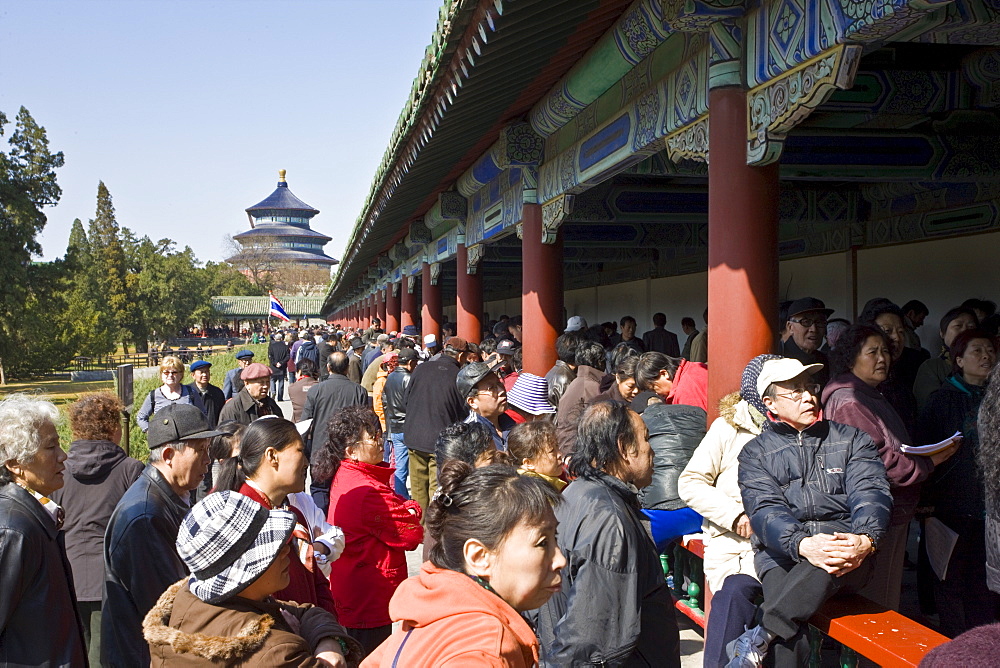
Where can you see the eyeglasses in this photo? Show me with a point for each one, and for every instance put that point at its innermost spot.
(495, 391)
(170, 373)
(799, 392)
(809, 322)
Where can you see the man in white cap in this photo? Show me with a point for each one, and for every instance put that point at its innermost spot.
(818, 501)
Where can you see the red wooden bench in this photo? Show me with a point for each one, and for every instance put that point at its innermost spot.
(881, 635)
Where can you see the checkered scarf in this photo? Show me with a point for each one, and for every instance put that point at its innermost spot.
(748, 385)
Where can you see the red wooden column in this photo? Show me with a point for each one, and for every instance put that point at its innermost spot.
(391, 309)
(380, 307)
(408, 306)
(742, 247)
(541, 292)
(372, 308)
(470, 299)
(430, 311)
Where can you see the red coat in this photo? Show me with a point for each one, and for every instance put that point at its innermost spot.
(304, 586)
(690, 385)
(379, 526)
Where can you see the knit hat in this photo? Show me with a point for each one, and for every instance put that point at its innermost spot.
(530, 394)
(748, 384)
(227, 541)
(255, 371)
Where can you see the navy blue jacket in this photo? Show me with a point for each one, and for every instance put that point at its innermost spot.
(827, 478)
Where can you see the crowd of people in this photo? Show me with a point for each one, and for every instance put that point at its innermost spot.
(541, 504)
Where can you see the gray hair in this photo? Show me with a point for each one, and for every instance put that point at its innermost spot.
(21, 416)
(156, 454)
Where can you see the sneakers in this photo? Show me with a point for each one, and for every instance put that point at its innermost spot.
(749, 649)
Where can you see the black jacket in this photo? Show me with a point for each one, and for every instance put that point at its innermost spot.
(790, 349)
(243, 409)
(98, 473)
(662, 341)
(394, 396)
(38, 621)
(558, 379)
(614, 608)
(213, 400)
(435, 399)
(140, 562)
(278, 356)
(674, 433)
(827, 478)
(325, 399)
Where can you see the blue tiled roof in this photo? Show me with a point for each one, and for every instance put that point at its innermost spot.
(282, 199)
(282, 230)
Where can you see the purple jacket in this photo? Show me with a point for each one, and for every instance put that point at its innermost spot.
(849, 400)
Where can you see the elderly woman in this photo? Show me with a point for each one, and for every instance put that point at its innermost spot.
(229, 612)
(709, 485)
(379, 525)
(495, 556)
(861, 363)
(956, 487)
(171, 392)
(935, 371)
(38, 620)
(99, 474)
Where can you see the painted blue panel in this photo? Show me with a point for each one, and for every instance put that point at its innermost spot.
(605, 142)
(485, 171)
(442, 246)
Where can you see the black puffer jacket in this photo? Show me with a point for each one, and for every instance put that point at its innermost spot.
(394, 396)
(827, 478)
(674, 433)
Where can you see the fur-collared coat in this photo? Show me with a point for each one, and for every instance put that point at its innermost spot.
(183, 630)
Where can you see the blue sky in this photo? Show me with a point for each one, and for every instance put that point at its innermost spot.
(186, 110)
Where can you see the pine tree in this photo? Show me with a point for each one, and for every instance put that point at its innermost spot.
(109, 273)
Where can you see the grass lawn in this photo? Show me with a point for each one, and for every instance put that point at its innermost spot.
(64, 392)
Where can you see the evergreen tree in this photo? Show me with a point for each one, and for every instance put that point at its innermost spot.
(109, 273)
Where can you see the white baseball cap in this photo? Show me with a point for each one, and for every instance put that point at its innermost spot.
(430, 340)
(575, 324)
(780, 370)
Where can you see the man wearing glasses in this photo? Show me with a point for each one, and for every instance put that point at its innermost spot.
(807, 324)
(818, 501)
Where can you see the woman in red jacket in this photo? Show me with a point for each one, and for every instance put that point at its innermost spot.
(270, 465)
(379, 525)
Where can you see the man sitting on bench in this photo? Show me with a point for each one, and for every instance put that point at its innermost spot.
(818, 500)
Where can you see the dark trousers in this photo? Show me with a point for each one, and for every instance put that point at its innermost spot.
(792, 596)
(962, 600)
(733, 610)
(371, 638)
(90, 613)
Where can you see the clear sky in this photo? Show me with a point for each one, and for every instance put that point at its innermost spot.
(187, 110)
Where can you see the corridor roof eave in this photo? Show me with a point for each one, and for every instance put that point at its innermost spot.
(535, 43)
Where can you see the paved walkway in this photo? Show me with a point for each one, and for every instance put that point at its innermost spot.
(692, 640)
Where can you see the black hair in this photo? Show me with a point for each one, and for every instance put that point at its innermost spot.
(954, 313)
(621, 352)
(485, 504)
(566, 346)
(849, 346)
(338, 362)
(916, 306)
(647, 370)
(487, 347)
(659, 319)
(345, 428)
(517, 359)
(276, 433)
(529, 439)
(986, 306)
(961, 343)
(876, 307)
(591, 354)
(221, 446)
(625, 319)
(306, 367)
(463, 442)
(604, 434)
(625, 368)
(783, 313)
(687, 321)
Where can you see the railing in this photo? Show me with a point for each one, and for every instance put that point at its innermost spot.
(863, 628)
(110, 362)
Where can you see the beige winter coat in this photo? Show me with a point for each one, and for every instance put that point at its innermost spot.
(709, 486)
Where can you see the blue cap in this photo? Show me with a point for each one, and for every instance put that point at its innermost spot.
(244, 354)
(200, 364)
(410, 330)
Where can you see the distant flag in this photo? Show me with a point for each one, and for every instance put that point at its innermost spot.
(277, 310)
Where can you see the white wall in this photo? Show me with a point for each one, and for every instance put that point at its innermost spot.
(941, 273)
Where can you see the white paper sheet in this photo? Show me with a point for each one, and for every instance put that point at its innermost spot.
(931, 449)
(940, 541)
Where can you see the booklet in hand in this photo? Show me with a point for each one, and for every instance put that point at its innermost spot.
(931, 449)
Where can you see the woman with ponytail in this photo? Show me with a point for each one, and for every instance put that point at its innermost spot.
(495, 556)
(270, 466)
